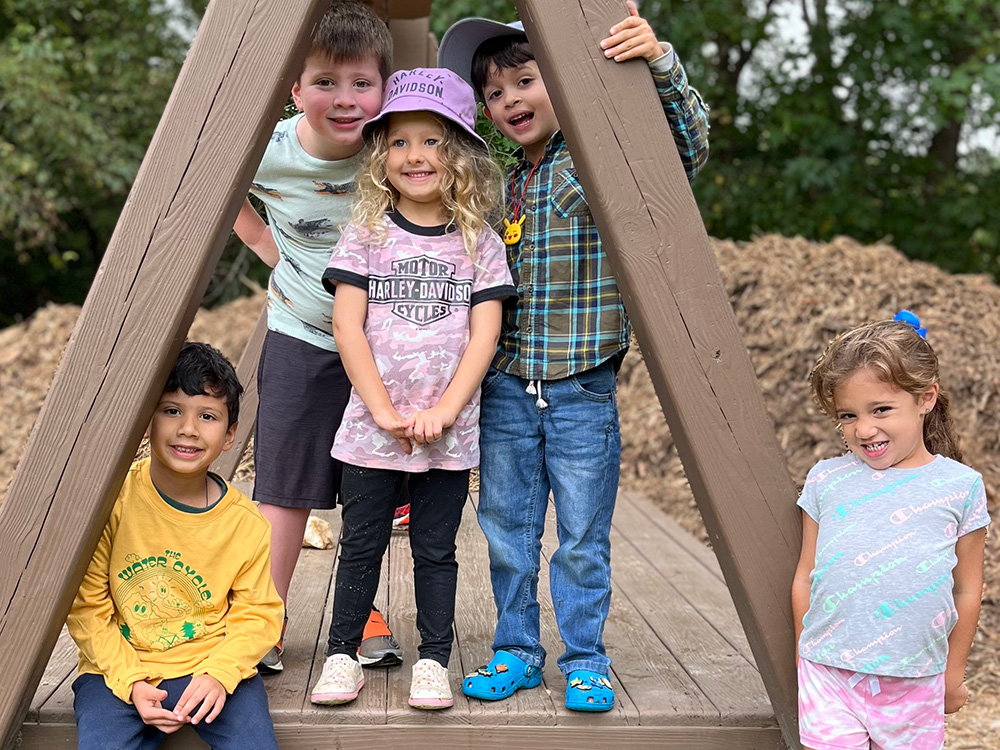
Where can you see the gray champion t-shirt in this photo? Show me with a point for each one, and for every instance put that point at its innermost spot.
(881, 599)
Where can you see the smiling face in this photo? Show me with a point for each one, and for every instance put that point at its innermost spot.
(338, 98)
(188, 433)
(883, 425)
(413, 166)
(518, 104)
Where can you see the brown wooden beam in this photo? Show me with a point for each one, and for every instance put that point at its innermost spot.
(388, 9)
(412, 45)
(226, 464)
(656, 241)
(178, 215)
(439, 735)
(408, 8)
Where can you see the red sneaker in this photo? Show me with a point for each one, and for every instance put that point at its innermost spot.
(401, 520)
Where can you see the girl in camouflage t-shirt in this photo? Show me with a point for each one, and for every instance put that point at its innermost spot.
(419, 276)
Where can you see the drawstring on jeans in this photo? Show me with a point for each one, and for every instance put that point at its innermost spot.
(535, 389)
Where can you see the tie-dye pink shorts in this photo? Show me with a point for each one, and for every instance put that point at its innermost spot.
(843, 710)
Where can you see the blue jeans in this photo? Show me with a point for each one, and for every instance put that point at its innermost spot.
(571, 446)
(105, 722)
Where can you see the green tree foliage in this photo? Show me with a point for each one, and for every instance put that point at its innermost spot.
(864, 122)
(445, 12)
(82, 86)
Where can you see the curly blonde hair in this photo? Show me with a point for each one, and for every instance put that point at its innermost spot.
(471, 184)
(898, 356)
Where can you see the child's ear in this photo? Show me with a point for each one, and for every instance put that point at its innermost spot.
(230, 436)
(928, 398)
(297, 95)
(487, 114)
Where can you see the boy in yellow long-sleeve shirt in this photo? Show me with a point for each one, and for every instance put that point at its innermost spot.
(177, 606)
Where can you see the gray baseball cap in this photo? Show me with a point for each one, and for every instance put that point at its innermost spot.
(460, 42)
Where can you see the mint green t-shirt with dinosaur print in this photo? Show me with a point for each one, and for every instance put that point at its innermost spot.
(308, 201)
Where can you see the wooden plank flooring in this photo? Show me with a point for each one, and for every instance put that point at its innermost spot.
(682, 669)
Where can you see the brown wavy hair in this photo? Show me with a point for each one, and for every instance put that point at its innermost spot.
(350, 31)
(898, 356)
(471, 184)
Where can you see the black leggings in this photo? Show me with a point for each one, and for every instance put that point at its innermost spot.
(369, 500)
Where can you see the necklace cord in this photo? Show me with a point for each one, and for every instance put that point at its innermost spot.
(513, 181)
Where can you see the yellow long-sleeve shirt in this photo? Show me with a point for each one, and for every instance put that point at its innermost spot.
(171, 593)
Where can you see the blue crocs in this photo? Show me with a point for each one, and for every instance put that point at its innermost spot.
(589, 691)
(499, 679)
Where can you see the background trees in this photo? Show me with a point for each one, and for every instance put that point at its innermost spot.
(873, 119)
(82, 86)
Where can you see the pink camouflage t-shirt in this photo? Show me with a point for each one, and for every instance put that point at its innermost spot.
(421, 287)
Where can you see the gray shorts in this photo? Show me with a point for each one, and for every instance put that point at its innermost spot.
(303, 393)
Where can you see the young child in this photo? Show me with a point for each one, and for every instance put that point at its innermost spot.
(177, 605)
(419, 276)
(549, 416)
(306, 183)
(887, 591)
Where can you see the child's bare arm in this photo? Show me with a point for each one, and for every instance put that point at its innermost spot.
(801, 583)
(968, 592)
(255, 234)
(349, 315)
(484, 332)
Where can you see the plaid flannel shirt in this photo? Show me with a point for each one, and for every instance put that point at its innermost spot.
(568, 316)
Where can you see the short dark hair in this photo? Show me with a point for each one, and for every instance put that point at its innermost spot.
(501, 52)
(350, 31)
(201, 370)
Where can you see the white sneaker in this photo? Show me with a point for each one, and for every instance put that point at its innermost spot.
(430, 688)
(341, 681)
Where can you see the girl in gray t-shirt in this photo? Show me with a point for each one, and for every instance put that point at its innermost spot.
(887, 591)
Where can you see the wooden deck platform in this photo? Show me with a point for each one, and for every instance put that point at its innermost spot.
(683, 671)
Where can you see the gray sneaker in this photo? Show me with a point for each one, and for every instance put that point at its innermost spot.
(271, 663)
(378, 647)
(380, 651)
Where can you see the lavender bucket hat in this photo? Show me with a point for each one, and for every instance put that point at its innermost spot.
(429, 90)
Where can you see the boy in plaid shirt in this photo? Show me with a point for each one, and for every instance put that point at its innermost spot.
(549, 419)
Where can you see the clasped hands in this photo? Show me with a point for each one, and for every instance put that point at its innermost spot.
(422, 427)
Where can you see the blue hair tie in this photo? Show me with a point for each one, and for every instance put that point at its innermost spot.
(905, 316)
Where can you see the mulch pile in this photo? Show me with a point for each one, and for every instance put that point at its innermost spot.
(791, 296)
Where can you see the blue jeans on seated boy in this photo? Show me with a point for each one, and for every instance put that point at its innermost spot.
(563, 438)
(105, 722)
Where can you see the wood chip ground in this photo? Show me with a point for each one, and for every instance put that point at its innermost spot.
(791, 296)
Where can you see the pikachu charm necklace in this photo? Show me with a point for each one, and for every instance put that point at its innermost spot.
(513, 227)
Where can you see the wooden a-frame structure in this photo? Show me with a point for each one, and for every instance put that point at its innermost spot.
(175, 223)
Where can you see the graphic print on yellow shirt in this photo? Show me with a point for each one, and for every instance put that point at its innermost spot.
(164, 600)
